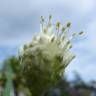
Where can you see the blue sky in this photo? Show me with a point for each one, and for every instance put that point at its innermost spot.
(19, 21)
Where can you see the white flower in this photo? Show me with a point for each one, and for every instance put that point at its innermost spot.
(50, 44)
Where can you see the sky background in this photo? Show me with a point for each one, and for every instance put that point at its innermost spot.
(19, 21)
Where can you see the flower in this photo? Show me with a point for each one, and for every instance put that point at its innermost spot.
(48, 53)
(49, 43)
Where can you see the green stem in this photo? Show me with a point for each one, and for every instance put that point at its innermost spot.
(8, 86)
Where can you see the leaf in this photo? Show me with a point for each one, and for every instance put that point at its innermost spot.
(8, 86)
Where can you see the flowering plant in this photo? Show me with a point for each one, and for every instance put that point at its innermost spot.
(41, 63)
(45, 58)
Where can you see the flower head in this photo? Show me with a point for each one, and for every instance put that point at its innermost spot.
(48, 52)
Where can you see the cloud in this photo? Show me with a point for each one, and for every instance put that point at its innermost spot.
(19, 17)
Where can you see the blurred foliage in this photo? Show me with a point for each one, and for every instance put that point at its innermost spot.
(10, 78)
